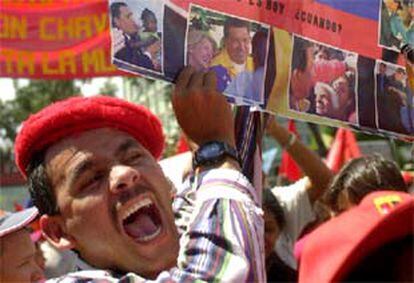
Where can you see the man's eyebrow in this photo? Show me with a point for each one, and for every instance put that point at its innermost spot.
(126, 145)
(79, 169)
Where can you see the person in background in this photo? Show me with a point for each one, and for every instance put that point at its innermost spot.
(297, 200)
(356, 179)
(17, 251)
(275, 222)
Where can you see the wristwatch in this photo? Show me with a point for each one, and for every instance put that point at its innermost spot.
(213, 152)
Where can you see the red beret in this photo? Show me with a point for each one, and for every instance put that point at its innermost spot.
(336, 247)
(78, 114)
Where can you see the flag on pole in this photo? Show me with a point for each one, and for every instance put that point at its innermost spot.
(343, 148)
(288, 167)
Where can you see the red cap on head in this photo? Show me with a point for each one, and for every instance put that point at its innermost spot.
(78, 114)
(336, 247)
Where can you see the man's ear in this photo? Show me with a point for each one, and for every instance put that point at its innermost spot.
(54, 231)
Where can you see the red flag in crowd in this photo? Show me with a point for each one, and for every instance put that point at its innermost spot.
(343, 148)
(408, 177)
(17, 206)
(182, 145)
(288, 167)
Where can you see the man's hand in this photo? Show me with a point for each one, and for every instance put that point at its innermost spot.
(202, 112)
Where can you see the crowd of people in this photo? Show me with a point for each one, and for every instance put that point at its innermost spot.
(107, 210)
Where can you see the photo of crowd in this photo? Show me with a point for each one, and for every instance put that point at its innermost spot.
(396, 23)
(323, 81)
(395, 111)
(235, 49)
(136, 34)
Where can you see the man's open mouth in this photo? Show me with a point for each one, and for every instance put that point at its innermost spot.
(142, 222)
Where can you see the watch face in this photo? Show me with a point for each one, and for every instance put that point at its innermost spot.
(212, 150)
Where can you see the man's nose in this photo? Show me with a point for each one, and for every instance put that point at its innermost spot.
(123, 178)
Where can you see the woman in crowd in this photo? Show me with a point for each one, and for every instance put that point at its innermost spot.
(356, 179)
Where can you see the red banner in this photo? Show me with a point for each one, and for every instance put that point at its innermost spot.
(55, 39)
(305, 17)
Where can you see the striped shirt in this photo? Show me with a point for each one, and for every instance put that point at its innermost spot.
(220, 220)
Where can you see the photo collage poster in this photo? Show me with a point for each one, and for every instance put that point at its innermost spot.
(321, 68)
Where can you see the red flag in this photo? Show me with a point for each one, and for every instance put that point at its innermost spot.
(288, 167)
(182, 145)
(343, 148)
(17, 206)
(408, 177)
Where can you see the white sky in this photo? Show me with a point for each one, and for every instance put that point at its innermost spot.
(7, 91)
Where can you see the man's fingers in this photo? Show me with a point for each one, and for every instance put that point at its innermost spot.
(183, 79)
(210, 81)
(196, 80)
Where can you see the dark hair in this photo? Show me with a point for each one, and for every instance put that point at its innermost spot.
(300, 58)
(271, 203)
(234, 22)
(147, 14)
(361, 176)
(40, 188)
(259, 44)
(400, 70)
(115, 10)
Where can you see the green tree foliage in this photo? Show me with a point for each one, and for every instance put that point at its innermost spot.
(109, 88)
(156, 95)
(30, 99)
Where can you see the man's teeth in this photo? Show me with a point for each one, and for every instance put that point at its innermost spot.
(136, 207)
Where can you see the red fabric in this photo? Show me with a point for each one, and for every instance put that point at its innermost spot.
(408, 177)
(61, 40)
(288, 167)
(332, 250)
(343, 148)
(78, 114)
(18, 206)
(182, 145)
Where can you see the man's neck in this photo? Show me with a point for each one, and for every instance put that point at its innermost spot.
(239, 67)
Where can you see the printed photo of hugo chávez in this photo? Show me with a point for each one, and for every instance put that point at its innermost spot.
(235, 49)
